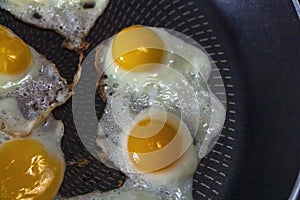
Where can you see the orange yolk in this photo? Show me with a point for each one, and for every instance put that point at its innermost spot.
(28, 171)
(135, 46)
(15, 55)
(151, 135)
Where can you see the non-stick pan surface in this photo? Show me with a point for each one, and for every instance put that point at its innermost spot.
(198, 19)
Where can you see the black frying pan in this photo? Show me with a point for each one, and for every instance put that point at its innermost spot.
(243, 164)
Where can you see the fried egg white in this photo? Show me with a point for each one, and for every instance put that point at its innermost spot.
(32, 167)
(71, 18)
(30, 85)
(119, 194)
(154, 83)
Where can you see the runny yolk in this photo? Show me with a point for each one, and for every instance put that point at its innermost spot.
(135, 46)
(15, 55)
(150, 136)
(28, 171)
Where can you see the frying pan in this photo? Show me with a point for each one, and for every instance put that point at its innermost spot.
(257, 154)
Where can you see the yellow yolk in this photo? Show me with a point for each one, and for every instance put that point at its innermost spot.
(135, 46)
(145, 138)
(3, 33)
(28, 171)
(15, 55)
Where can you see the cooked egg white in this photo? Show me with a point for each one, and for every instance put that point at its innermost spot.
(30, 85)
(119, 194)
(72, 18)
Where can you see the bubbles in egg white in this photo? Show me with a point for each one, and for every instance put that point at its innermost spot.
(25, 102)
(132, 190)
(72, 18)
(49, 133)
(119, 194)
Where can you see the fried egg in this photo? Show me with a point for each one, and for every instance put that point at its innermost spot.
(161, 117)
(30, 85)
(73, 19)
(156, 153)
(129, 52)
(32, 167)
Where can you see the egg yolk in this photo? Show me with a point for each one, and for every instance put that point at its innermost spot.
(28, 171)
(145, 138)
(3, 33)
(135, 46)
(15, 55)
